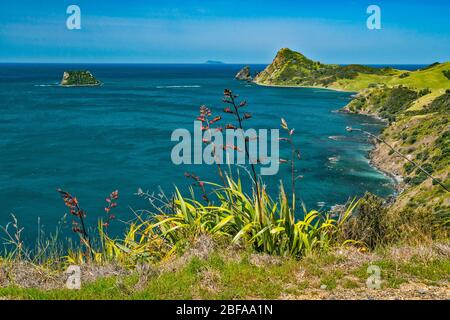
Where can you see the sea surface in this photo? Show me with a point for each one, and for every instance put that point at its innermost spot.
(93, 140)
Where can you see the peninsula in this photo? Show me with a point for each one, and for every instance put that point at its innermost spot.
(415, 106)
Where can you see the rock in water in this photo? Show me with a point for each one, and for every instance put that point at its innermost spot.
(244, 74)
(79, 78)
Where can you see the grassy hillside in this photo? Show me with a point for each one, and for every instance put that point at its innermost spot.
(290, 68)
(420, 129)
(432, 78)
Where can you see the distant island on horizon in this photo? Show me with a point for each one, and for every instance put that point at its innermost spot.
(214, 62)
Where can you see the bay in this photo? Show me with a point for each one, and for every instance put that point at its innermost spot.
(93, 140)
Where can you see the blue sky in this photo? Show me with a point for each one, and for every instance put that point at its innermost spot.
(245, 31)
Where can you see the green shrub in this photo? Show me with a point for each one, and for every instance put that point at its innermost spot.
(367, 224)
(434, 64)
(398, 99)
(446, 73)
(409, 167)
(423, 155)
(440, 104)
(418, 179)
(428, 167)
(404, 136)
(412, 139)
(424, 92)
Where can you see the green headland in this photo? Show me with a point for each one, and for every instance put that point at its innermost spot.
(290, 68)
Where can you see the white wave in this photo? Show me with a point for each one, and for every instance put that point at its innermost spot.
(334, 159)
(321, 204)
(336, 138)
(369, 124)
(46, 85)
(178, 86)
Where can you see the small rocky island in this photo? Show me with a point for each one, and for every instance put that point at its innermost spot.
(79, 79)
(244, 74)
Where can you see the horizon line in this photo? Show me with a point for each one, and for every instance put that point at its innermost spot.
(203, 63)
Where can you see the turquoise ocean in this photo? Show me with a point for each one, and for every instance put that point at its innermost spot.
(93, 140)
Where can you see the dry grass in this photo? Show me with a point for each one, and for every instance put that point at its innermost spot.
(201, 248)
(27, 275)
(262, 260)
(206, 271)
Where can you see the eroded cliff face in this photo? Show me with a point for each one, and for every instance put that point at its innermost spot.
(418, 126)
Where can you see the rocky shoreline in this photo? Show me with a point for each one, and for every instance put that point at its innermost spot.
(377, 156)
(379, 165)
(377, 152)
(374, 161)
(292, 86)
(80, 85)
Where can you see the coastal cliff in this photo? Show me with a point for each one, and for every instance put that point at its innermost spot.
(79, 78)
(415, 106)
(418, 127)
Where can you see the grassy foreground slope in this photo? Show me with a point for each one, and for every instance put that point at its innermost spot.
(209, 272)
